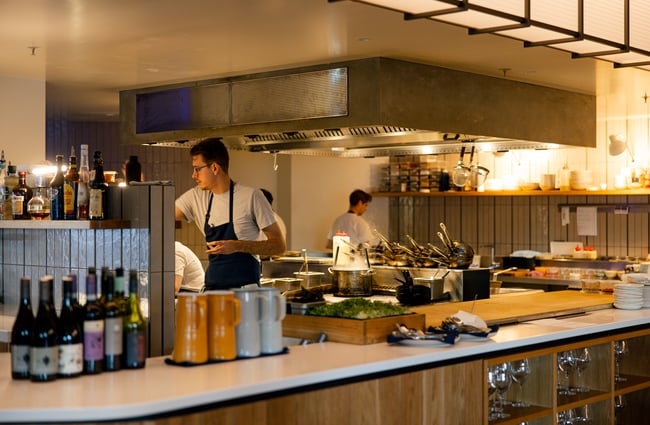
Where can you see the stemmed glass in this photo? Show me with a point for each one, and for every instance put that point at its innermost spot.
(500, 377)
(582, 358)
(620, 350)
(520, 371)
(619, 405)
(493, 412)
(567, 364)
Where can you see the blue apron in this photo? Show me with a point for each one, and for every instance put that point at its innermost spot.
(228, 270)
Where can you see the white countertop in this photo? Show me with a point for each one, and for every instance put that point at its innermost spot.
(160, 388)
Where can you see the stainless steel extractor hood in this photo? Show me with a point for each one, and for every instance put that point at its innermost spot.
(367, 107)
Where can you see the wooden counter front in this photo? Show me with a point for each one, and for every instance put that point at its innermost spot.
(504, 310)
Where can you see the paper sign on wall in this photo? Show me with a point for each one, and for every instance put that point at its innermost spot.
(587, 221)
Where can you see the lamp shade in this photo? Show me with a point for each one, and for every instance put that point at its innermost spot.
(617, 144)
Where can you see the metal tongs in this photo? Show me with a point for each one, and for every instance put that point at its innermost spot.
(416, 334)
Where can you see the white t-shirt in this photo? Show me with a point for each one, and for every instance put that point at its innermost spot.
(354, 226)
(251, 212)
(283, 227)
(189, 266)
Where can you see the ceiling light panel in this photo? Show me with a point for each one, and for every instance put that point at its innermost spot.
(481, 14)
(639, 28)
(415, 7)
(613, 30)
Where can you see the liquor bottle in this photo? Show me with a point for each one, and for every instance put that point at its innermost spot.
(4, 191)
(56, 191)
(69, 336)
(77, 308)
(82, 190)
(112, 325)
(120, 298)
(20, 196)
(133, 170)
(43, 350)
(93, 327)
(39, 206)
(21, 332)
(11, 180)
(135, 328)
(98, 187)
(71, 188)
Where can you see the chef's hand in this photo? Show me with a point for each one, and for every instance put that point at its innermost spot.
(222, 247)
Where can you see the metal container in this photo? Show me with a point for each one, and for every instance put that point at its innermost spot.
(287, 284)
(435, 285)
(352, 283)
(310, 279)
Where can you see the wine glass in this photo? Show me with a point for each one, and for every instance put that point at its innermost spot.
(619, 405)
(567, 364)
(502, 381)
(520, 371)
(492, 389)
(583, 358)
(620, 350)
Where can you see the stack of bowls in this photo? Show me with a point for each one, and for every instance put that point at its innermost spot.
(580, 179)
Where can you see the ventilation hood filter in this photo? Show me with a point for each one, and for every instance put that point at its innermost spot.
(362, 108)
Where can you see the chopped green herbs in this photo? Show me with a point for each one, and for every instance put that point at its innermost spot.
(358, 308)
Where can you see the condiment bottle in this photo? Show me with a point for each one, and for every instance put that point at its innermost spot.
(20, 196)
(565, 177)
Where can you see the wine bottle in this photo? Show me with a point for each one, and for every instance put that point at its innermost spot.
(93, 327)
(20, 196)
(71, 188)
(43, 350)
(11, 180)
(56, 191)
(119, 297)
(82, 189)
(21, 332)
(98, 188)
(112, 325)
(4, 190)
(69, 336)
(77, 308)
(135, 328)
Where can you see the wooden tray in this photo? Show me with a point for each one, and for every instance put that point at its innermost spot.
(351, 331)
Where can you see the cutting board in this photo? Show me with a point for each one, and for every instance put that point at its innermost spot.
(506, 309)
(351, 331)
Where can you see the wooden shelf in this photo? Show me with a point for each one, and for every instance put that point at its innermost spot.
(65, 224)
(619, 192)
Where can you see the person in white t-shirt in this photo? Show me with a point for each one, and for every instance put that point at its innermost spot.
(351, 223)
(283, 228)
(189, 274)
(237, 221)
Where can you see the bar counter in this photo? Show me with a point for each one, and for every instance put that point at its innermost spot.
(161, 389)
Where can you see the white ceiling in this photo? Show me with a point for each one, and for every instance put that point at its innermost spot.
(89, 50)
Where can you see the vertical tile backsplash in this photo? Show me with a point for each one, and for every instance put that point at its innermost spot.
(510, 223)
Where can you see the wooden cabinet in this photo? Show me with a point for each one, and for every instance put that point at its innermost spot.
(604, 398)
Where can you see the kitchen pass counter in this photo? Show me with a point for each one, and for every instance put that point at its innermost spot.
(163, 389)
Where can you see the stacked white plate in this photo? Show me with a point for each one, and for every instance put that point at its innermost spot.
(580, 179)
(628, 296)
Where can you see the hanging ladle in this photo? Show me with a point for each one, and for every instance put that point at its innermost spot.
(461, 172)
